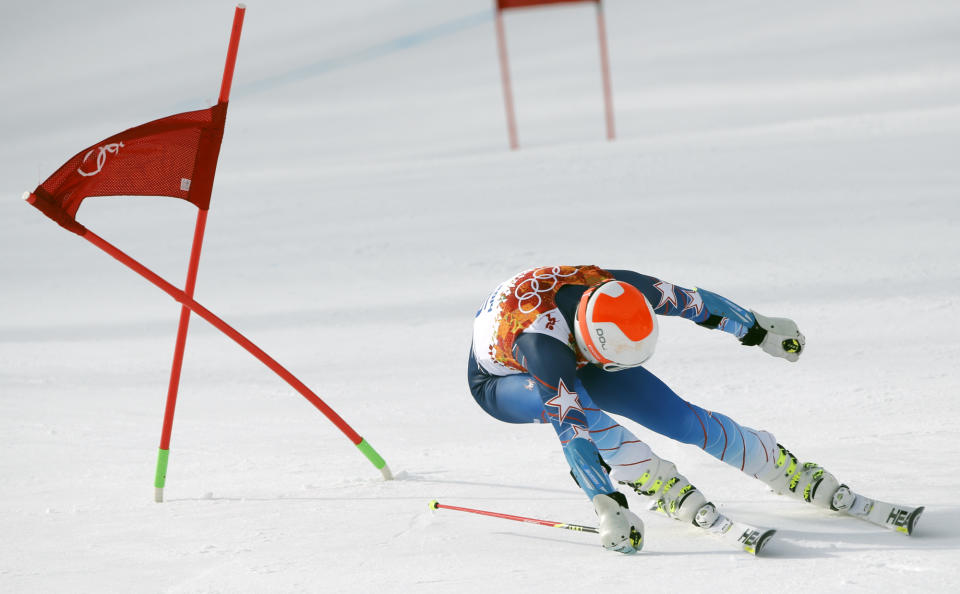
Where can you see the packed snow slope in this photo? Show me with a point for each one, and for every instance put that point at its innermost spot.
(799, 158)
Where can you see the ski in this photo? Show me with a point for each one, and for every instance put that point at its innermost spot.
(739, 535)
(899, 518)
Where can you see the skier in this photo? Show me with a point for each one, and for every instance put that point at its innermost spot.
(565, 345)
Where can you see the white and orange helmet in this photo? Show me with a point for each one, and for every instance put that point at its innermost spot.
(615, 326)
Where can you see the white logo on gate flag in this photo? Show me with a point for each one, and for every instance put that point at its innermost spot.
(112, 148)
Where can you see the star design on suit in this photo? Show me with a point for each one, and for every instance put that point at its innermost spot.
(694, 301)
(668, 296)
(565, 401)
(579, 431)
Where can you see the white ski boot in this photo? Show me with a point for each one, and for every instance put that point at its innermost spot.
(807, 481)
(671, 493)
(620, 529)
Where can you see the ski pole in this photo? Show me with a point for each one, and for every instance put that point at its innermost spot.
(576, 527)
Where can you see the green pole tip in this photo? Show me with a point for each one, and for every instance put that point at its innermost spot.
(367, 450)
(434, 504)
(160, 479)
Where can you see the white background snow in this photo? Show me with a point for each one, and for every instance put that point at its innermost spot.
(799, 158)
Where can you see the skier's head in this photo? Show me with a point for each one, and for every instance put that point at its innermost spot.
(615, 326)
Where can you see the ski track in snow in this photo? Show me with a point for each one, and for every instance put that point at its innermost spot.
(798, 159)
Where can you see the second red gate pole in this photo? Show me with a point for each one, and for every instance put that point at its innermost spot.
(163, 455)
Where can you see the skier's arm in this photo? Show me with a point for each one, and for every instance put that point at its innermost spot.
(698, 305)
(779, 337)
(553, 367)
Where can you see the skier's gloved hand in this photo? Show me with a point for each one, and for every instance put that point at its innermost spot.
(779, 337)
(620, 529)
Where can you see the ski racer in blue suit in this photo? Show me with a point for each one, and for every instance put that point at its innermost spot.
(565, 344)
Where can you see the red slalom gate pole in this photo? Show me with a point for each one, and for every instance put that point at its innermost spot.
(505, 79)
(605, 68)
(365, 448)
(575, 527)
(163, 455)
(227, 81)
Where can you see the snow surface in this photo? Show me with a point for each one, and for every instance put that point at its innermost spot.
(800, 158)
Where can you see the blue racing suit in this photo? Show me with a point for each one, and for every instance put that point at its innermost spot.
(544, 378)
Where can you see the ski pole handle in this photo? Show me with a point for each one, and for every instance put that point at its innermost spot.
(575, 527)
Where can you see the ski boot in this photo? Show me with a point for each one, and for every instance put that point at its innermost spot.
(620, 529)
(807, 481)
(671, 493)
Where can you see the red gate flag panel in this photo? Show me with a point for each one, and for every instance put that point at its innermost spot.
(505, 4)
(175, 156)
